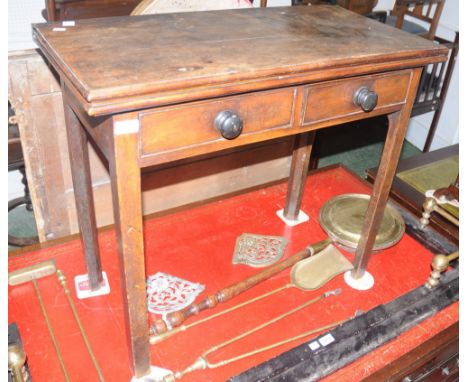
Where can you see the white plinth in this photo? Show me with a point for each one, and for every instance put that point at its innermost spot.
(156, 375)
(83, 289)
(363, 283)
(302, 217)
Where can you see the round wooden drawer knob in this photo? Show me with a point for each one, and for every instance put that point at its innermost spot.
(366, 98)
(228, 124)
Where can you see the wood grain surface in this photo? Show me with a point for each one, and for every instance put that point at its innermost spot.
(137, 57)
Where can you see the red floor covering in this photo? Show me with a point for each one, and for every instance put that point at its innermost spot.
(197, 245)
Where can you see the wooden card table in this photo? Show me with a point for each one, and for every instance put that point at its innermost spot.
(149, 90)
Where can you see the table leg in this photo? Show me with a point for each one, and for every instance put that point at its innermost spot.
(298, 174)
(126, 195)
(397, 126)
(82, 185)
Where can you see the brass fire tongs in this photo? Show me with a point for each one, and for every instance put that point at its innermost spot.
(202, 363)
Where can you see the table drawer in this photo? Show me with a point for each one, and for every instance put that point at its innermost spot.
(185, 130)
(336, 99)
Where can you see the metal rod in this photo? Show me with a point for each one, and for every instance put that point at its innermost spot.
(201, 362)
(446, 215)
(154, 339)
(63, 282)
(453, 256)
(264, 325)
(51, 332)
(271, 346)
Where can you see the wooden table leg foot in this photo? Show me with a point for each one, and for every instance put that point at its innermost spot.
(397, 126)
(126, 195)
(82, 186)
(298, 174)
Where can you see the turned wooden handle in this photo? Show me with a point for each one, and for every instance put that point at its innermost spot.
(176, 319)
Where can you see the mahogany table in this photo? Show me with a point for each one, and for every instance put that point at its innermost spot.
(149, 90)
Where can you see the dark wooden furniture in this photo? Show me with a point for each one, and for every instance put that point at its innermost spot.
(362, 7)
(454, 188)
(436, 77)
(436, 360)
(433, 88)
(57, 10)
(427, 11)
(147, 96)
(411, 198)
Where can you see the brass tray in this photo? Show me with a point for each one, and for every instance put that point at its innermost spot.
(342, 218)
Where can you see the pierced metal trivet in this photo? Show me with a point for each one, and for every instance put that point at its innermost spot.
(258, 250)
(167, 294)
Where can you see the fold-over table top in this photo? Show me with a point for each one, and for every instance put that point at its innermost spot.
(185, 56)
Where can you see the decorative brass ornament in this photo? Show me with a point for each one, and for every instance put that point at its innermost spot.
(440, 263)
(342, 217)
(16, 361)
(258, 250)
(167, 293)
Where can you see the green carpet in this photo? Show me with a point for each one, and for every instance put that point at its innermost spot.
(357, 145)
(362, 158)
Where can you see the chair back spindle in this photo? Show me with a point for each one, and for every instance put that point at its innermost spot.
(427, 11)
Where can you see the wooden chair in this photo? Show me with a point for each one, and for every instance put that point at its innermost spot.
(433, 87)
(430, 97)
(427, 11)
(435, 78)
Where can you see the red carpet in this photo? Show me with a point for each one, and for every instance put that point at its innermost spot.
(197, 245)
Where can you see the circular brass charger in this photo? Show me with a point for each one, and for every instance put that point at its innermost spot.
(342, 218)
